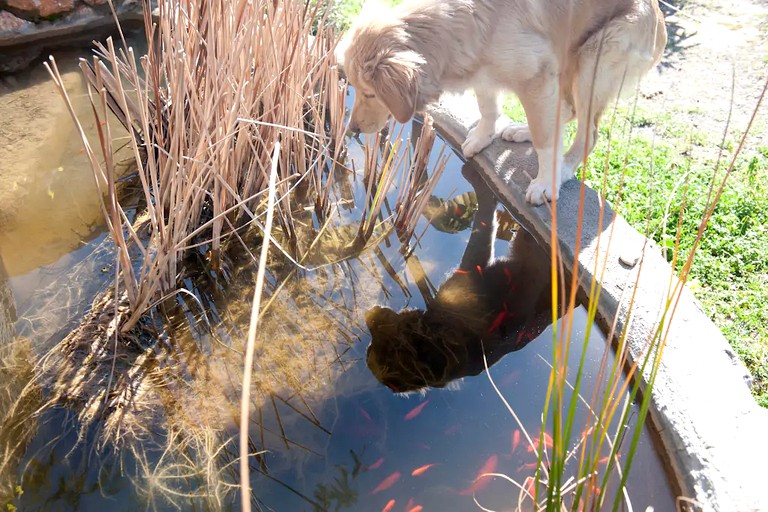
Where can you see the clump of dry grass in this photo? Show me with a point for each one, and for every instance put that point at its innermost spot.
(221, 84)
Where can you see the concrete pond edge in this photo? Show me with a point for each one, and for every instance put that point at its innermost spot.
(712, 431)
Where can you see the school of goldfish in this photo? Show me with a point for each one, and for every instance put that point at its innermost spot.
(482, 476)
(520, 446)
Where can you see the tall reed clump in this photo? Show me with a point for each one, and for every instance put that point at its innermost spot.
(221, 86)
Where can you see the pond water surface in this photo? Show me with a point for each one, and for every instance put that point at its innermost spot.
(327, 429)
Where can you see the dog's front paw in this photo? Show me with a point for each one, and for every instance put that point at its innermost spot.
(477, 140)
(540, 191)
(516, 132)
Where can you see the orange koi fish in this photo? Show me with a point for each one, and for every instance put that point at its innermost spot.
(513, 376)
(607, 458)
(377, 464)
(548, 443)
(453, 430)
(387, 483)
(530, 486)
(480, 482)
(365, 414)
(498, 321)
(416, 410)
(417, 508)
(389, 506)
(421, 470)
(515, 440)
(530, 465)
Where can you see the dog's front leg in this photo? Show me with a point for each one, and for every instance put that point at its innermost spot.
(484, 132)
(540, 101)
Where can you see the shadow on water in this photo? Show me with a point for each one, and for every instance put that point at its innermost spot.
(155, 427)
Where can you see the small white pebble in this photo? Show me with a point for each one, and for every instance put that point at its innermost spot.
(629, 258)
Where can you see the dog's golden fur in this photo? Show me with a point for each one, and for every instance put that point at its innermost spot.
(565, 59)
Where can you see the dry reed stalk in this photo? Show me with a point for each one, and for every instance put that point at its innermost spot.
(250, 351)
(417, 185)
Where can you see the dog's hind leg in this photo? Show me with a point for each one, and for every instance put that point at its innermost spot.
(516, 132)
(540, 98)
(611, 63)
(484, 132)
(592, 92)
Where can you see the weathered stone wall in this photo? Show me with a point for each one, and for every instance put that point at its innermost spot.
(29, 27)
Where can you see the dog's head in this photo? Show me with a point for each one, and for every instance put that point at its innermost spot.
(383, 70)
(408, 354)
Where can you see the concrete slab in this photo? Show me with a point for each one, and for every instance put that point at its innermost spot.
(712, 429)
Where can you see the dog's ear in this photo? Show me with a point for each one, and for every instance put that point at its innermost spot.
(340, 52)
(395, 80)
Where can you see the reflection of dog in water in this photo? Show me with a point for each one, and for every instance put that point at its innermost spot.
(497, 305)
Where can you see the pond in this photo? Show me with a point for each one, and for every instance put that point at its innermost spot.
(331, 426)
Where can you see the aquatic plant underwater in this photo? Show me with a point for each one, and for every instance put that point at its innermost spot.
(235, 119)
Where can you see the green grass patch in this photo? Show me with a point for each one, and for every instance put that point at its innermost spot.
(343, 12)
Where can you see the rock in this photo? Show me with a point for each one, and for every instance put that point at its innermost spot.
(33, 9)
(11, 23)
(78, 23)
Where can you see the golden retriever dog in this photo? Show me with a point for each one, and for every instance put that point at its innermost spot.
(564, 59)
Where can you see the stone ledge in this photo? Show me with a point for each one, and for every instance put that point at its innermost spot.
(81, 23)
(712, 430)
(22, 40)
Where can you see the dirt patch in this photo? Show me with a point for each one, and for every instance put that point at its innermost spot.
(713, 43)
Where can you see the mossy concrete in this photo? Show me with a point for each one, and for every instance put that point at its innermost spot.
(712, 430)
